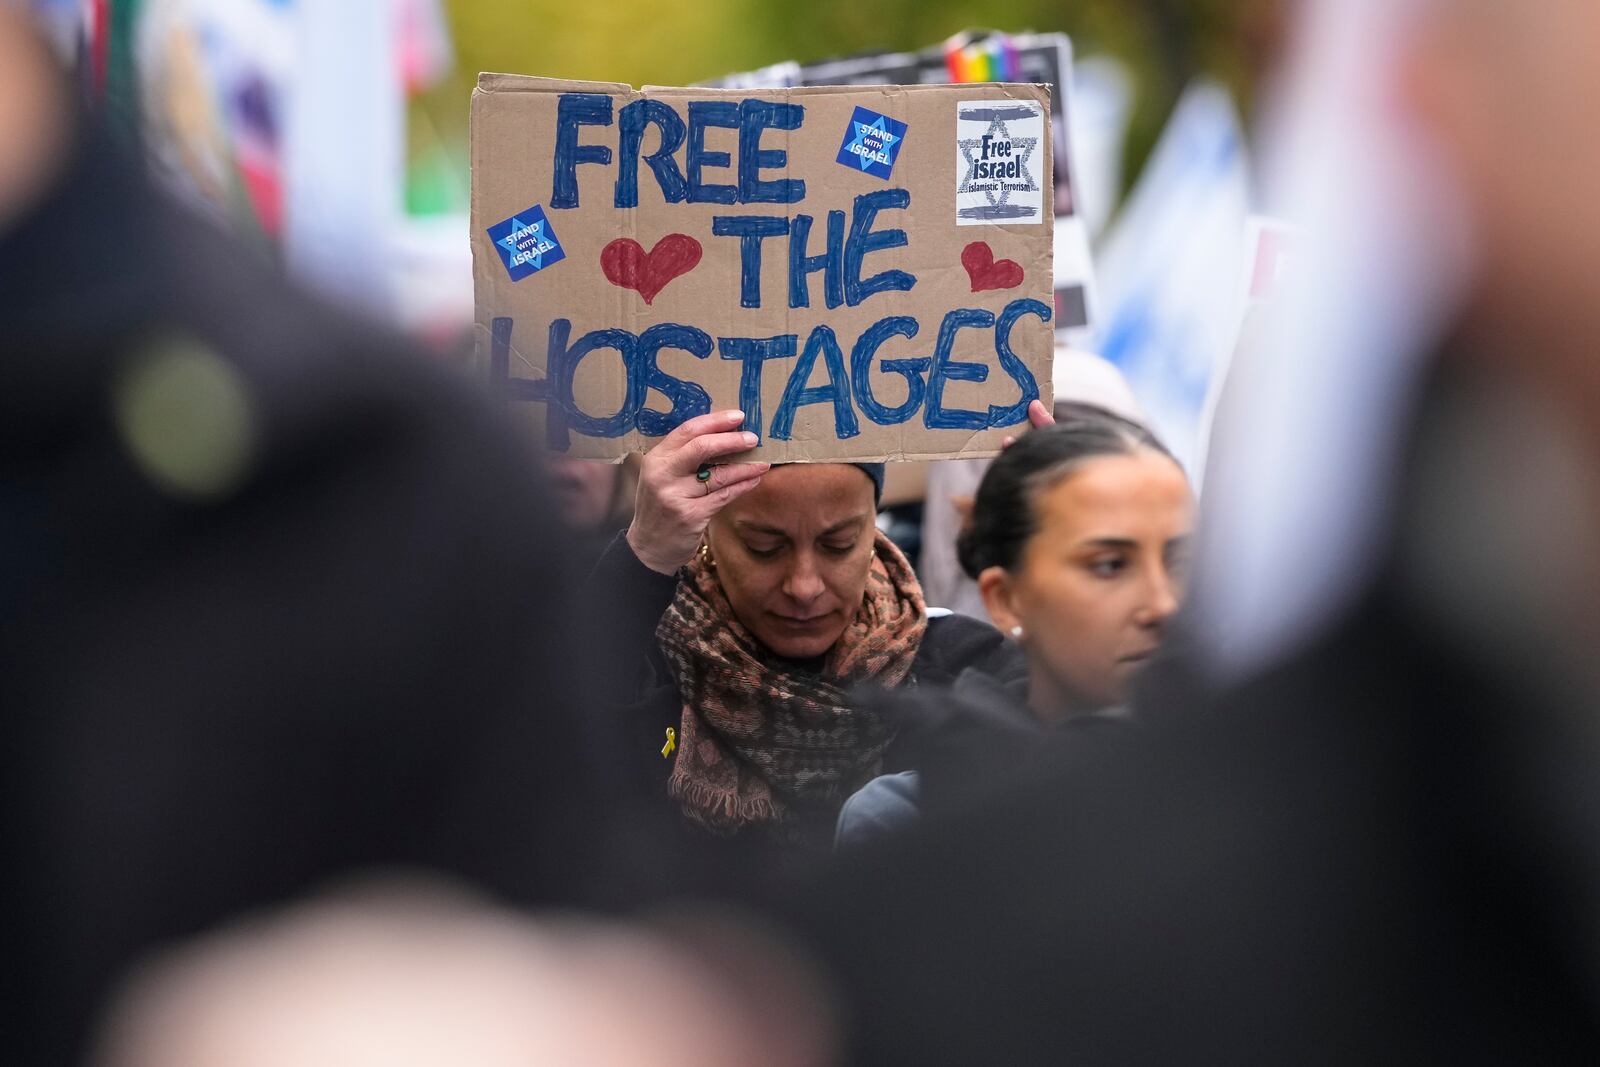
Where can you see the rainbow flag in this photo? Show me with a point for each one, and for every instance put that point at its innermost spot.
(992, 59)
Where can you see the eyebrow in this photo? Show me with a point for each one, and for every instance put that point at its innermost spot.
(1128, 542)
(1109, 542)
(746, 526)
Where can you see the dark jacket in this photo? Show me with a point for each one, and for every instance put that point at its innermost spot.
(350, 653)
(634, 679)
(1352, 859)
(1383, 848)
(957, 741)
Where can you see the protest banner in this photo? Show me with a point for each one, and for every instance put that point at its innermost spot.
(866, 273)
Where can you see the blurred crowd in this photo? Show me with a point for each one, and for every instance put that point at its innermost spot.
(348, 728)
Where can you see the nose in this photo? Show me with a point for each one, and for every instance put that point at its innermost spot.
(1161, 599)
(803, 584)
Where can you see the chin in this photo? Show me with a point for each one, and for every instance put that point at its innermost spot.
(799, 646)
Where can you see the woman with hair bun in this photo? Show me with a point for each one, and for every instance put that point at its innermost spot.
(1079, 543)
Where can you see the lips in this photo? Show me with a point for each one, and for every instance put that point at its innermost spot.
(802, 624)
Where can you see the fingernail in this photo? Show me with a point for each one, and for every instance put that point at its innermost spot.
(749, 439)
(733, 416)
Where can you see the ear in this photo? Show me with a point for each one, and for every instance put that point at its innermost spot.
(999, 594)
(711, 537)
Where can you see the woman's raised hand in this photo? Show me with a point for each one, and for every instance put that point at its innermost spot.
(682, 485)
(1039, 417)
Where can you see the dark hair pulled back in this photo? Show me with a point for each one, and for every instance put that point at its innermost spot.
(1003, 514)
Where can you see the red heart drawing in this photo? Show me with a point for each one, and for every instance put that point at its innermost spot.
(629, 266)
(985, 273)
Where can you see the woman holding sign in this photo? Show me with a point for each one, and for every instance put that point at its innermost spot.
(747, 602)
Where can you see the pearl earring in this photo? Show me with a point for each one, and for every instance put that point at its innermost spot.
(1016, 631)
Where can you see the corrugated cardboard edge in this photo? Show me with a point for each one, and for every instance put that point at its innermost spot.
(489, 82)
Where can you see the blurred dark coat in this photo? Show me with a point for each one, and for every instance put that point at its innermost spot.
(352, 655)
(954, 738)
(1385, 848)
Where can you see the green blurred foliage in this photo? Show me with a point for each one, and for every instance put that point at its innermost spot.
(1164, 43)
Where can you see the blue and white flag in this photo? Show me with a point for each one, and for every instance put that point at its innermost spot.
(1169, 266)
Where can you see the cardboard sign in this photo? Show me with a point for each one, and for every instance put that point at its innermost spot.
(866, 273)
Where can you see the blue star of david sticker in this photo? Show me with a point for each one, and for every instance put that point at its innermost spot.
(533, 234)
(526, 243)
(885, 140)
(872, 143)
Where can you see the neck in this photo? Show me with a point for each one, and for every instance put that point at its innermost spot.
(1049, 700)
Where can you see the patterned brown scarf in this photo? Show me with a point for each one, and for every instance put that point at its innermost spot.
(760, 739)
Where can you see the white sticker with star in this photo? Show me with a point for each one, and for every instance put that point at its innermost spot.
(1000, 161)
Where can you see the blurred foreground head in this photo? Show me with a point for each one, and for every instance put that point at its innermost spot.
(417, 979)
(1507, 91)
(1439, 156)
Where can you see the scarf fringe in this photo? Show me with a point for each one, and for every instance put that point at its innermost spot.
(720, 810)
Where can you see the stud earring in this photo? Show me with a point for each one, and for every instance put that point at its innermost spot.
(1016, 631)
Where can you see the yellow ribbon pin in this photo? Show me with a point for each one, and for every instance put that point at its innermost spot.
(672, 743)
